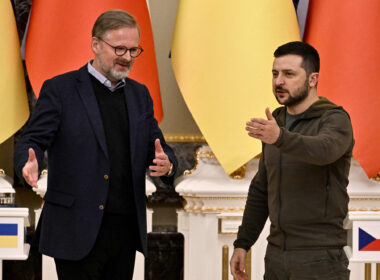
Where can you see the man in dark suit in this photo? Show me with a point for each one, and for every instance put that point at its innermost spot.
(100, 133)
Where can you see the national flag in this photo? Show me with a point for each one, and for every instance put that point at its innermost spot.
(8, 236)
(14, 108)
(59, 40)
(302, 9)
(367, 242)
(347, 38)
(222, 56)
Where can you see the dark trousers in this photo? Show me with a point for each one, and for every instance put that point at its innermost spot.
(330, 264)
(112, 257)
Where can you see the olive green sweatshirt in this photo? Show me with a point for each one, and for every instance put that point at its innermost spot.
(302, 182)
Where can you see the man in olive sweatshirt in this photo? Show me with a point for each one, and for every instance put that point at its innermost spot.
(302, 179)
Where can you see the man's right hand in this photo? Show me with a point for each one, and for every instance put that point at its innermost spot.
(30, 169)
(237, 264)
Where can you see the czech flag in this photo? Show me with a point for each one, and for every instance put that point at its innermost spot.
(367, 242)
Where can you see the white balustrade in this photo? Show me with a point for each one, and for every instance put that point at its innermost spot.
(13, 221)
(215, 204)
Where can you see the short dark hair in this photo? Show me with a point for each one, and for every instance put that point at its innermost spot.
(310, 56)
(111, 20)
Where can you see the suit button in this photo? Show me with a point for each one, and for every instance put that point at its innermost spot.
(106, 177)
(101, 207)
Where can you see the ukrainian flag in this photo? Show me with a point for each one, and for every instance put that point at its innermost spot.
(14, 108)
(8, 236)
(222, 56)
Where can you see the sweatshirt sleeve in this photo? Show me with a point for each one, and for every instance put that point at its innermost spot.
(256, 210)
(334, 138)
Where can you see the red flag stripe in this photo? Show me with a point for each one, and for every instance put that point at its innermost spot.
(348, 40)
(59, 40)
(373, 246)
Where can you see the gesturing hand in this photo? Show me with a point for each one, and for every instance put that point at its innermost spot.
(30, 169)
(161, 161)
(267, 131)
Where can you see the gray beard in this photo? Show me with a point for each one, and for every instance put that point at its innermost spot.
(118, 75)
(112, 74)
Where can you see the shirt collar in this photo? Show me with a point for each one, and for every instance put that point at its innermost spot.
(102, 79)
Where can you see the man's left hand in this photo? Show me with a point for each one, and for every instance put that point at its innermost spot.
(267, 131)
(161, 161)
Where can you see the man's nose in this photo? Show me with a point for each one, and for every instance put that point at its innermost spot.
(127, 55)
(278, 80)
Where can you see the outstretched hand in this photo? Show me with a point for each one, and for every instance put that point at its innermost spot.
(161, 161)
(267, 131)
(30, 169)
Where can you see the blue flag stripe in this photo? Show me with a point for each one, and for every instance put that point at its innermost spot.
(8, 229)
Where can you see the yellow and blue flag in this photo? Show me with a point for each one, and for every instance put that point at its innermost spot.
(8, 236)
(222, 55)
(14, 108)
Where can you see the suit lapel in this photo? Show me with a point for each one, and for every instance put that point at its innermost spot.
(87, 95)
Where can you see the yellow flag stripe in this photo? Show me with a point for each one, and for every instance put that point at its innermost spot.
(222, 55)
(14, 109)
(8, 241)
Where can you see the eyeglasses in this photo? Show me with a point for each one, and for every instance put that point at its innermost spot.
(121, 50)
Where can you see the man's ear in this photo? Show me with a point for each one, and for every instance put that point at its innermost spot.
(95, 45)
(313, 79)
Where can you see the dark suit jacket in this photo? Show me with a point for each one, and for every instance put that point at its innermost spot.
(67, 123)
